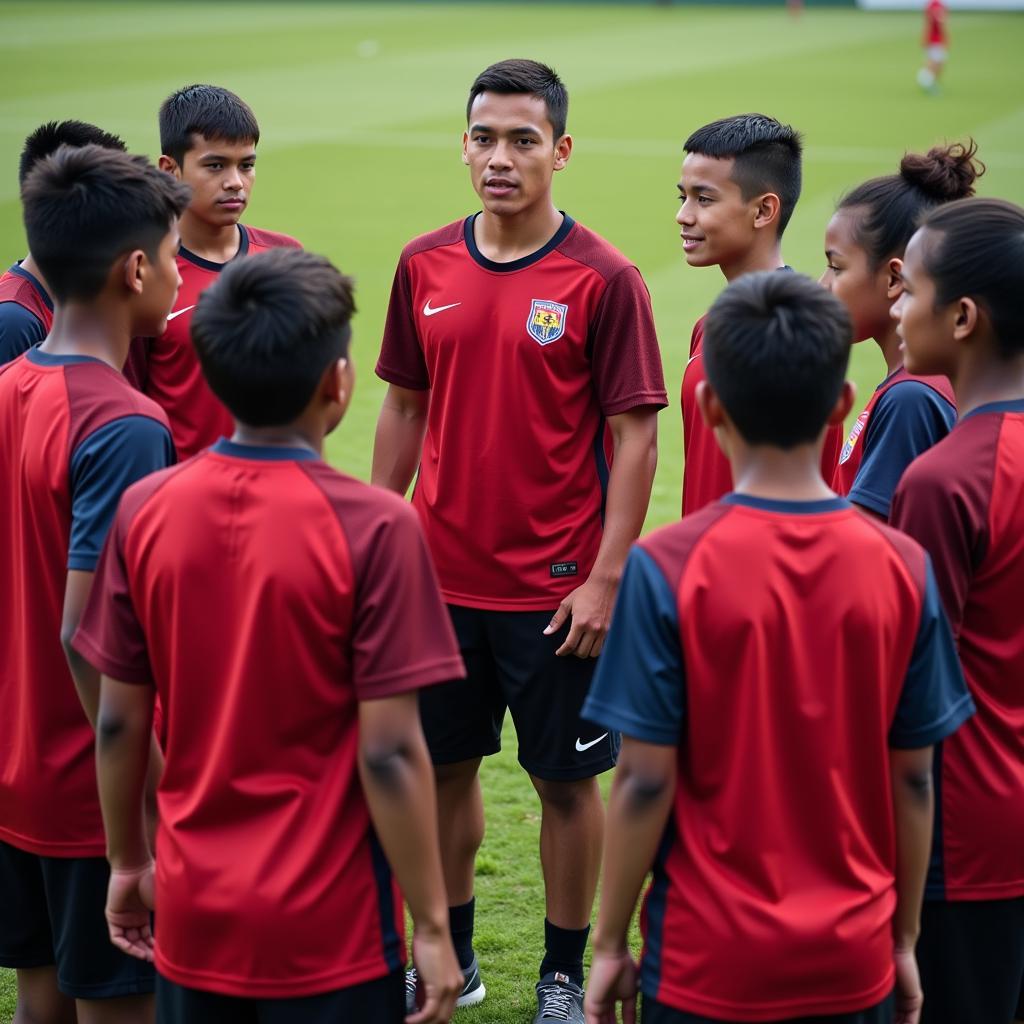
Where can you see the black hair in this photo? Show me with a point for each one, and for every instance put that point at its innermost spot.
(206, 110)
(510, 77)
(767, 156)
(776, 349)
(85, 206)
(267, 330)
(49, 137)
(894, 204)
(975, 248)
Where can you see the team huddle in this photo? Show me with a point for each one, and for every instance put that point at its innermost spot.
(246, 697)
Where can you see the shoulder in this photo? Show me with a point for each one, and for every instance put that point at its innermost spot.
(968, 451)
(908, 550)
(357, 502)
(261, 239)
(589, 248)
(911, 393)
(98, 394)
(671, 546)
(450, 234)
(142, 491)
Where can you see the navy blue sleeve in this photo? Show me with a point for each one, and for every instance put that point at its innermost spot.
(909, 418)
(20, 329)
(103, 467)
(639, 686)
(934, 701)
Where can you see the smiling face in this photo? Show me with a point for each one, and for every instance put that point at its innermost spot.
(222, 175)
(512, 153)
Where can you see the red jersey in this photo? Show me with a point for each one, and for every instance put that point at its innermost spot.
(935, 23)
(167, 368)
(26, 312)
(782, 648)
(524, 362)
(964, 501)
(707, 475)
(265, 595)
(75, 434)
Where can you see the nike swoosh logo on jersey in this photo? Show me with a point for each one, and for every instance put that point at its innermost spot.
(178, 312)
(428, 311)
(586, 746)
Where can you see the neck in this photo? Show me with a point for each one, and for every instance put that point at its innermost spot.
(753, 261)
(90, 330)
(979, 382)
(889, 343)
(32, 267)
(504, 239)
(214, 242)
(785, 475)
(299, 434)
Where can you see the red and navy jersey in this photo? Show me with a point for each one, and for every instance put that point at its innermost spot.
(75, 435)
(524, 362)
(26, 312)
(707, 475)
(167, 368)
(783, 648)
(935, 23)
(905, 417)
(265, 595)
(964, 501)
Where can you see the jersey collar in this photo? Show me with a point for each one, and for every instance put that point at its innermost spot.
(836, 504)
(263, 452)
(526, 261)
(34, 355)
(19, 271)
(243, 248)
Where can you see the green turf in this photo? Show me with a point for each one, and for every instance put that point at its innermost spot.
(361, 107)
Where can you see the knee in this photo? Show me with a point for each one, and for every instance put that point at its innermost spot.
(568, 799)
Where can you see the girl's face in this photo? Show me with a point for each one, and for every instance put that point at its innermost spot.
(867, 293)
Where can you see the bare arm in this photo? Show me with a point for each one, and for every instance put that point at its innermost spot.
(87, 679)
(399, 439)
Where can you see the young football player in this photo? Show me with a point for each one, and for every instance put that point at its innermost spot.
(286, 615)
(864, 245)
(936, 45)
(780, 666)
(519, 353)
(740, 183)
(961, 314)
(26, 308)
(101, 226)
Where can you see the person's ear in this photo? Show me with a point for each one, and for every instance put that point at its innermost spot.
(967, 317)
(134, 271)
(767, 211)
(844, 403)
(465, 148)
(563, 150)
(894, 283)
(710, 406)
(169, 165)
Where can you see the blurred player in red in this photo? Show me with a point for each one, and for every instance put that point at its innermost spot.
(936, 42)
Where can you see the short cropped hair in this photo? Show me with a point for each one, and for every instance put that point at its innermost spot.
(975, 248)
(49, 137)
(207, 110)
(511, 77)
(767, 156)
(776, 349)
(85, 206)
(267, 330)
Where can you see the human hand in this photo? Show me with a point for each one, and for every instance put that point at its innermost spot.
(612, 980)
(590, 607)
(909, 997)
(440, 976)
(129, 906)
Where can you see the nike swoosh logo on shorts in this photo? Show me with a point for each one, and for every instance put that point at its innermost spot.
(586, 746)
(178, 312)
(428, 311)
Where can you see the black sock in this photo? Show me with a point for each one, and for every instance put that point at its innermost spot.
(563, 951)
(460, 922)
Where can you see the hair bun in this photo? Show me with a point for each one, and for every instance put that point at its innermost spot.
(944, 173)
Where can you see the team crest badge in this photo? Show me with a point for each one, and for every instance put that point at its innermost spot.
(546, 322)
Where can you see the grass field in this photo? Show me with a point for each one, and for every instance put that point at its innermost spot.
(361, 107)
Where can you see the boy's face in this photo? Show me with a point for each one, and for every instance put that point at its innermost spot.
(160, 288)
(715, 222)
(222, 175)
(511, 152)
(926, 333)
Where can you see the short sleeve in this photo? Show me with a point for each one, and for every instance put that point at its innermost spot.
(909, 418)
(639, 685)
(401, 359)
(20, 329)
(402, 634)
(103, 466)
(934, 701)
(625, 358)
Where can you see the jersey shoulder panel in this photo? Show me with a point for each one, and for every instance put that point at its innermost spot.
(261, 239)
(98, 394)
(450, 234)
(671, 546)
(589, 248)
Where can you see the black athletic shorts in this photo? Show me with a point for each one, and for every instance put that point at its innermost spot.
(971, 958)
(653, 1012)
(511, 664)
(51, 913)
(381, 1001)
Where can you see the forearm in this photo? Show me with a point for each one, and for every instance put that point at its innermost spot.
(86, 678)
(397, 445)
(913, 806)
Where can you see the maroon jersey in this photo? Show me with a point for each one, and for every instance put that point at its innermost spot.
(167, 368)
(26, 312)
(964, 501)
(265, 595)
(524, 362)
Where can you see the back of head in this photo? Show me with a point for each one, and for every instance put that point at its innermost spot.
(49, 137)
(529, 77)
(891, 207)
(86, 206)
(207, 110)
(975, 248)
(776, 348)
(767, 156)
(267, 330)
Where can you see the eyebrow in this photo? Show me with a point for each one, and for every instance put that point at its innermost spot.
(697, 187)
(525, 130)
(248, 158)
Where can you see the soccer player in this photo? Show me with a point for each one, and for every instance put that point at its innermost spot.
(101, 226)
(208, 139)
(864, 245)
(740, 183)
(286, 615)
(960, 314)
(26, 308)
(936, 41)
(780, 666)
(516, 341)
